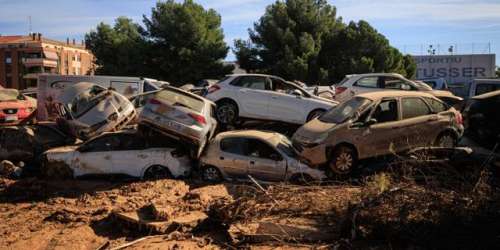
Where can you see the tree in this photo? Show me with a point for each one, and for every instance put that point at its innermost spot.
(305, 40)
(119, 49)
(187, 42)
(497, 72)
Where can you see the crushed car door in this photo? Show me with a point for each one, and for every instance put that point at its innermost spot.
(285, 104)
(130, 157)
(265, 163)
(253, 95)
(233, 158)
(95, 156)
(419, 124)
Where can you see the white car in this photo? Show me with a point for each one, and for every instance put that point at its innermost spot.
(87, 110)
(363, 83)
(265, 97)
(122, 152)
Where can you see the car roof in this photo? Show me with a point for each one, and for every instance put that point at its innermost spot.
(271, 137)
(486, 95)
(376, 74)
(377, 95)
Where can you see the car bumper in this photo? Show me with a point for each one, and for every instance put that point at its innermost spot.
(312, 155)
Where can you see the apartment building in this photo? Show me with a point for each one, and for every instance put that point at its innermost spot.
(23, 58)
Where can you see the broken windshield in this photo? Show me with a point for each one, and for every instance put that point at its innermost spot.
(85, 101)
(345, 110)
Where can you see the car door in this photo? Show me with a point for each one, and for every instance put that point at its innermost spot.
(285, 104)
(131, 156)
(364, 85)
(383, 136)
(253, 96)
(419, 125)
(265, 162)
(232, 158)
(95, 156)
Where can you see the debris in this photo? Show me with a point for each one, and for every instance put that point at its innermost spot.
(9, 169)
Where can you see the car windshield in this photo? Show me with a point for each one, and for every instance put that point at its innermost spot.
(7, 95)
(85, 101)
(346, 110)
(285, 146)
(177, 98)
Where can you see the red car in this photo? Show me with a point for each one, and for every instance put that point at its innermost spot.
(15, 107)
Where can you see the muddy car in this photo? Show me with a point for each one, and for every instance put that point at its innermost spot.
(88, 109)
(375, 124)
(26, 143)
(482, 118)
(180, 115)
(266, 156)
(15, 107)
(124, 153)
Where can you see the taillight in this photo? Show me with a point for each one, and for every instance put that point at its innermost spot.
(154, 101)
(198, 118)
(213, 88)
(339, 90)
(459, 118)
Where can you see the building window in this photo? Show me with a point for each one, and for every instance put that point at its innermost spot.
(8, 57)
(8, 82)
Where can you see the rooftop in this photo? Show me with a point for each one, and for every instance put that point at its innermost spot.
(16, 39)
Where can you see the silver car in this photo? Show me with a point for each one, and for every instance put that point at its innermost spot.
(266, 156)
(87, 110)
(180, 115)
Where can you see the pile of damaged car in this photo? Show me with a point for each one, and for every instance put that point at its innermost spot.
(170, 132)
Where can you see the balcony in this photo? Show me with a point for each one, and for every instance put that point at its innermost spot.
(44, 62)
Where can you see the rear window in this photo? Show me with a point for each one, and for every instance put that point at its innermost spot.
(177, 98)
(414, 107)
(346, 110)
(436, 105)
(485, 88)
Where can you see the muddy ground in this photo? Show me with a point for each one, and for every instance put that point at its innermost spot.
(401, 207)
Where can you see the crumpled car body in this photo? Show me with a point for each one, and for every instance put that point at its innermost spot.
(482, 118)
(88, 110)
(266, 156)
(124, 152)
(15, 107)
(180, 115)
(376, 124)
(26, 143)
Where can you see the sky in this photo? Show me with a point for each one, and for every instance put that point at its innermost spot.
(470, 26)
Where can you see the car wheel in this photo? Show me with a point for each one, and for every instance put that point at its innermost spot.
(211, 174)
(343, 160)
(157, 172)
(446, 140)
(314, 114)
(227, 113)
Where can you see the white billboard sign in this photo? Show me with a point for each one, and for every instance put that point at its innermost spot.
(456, 68)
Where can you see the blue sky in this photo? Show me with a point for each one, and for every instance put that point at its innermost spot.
(410, 25)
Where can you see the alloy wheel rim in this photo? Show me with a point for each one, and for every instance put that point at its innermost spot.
(343, 162)
(225, 113)
(211, 174)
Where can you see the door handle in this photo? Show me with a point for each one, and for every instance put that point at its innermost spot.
(221, 158)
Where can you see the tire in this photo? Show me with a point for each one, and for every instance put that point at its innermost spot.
(211, 174)
(227, 113)
(314, 114)
(157, 172)
(343, 160)
(446, 139)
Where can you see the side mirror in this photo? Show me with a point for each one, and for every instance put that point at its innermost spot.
(371, 122)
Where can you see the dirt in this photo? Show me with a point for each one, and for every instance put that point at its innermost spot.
(395, 208)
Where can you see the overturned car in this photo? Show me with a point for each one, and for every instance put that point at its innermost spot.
(87, 110)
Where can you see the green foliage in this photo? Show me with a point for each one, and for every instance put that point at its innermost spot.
(305, 40)
(497, 72)
(181, 43)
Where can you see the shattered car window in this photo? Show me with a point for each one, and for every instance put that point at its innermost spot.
(177, 98)
(85, 101)
(346, 110)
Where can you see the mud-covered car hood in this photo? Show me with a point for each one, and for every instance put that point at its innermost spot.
(313, 130)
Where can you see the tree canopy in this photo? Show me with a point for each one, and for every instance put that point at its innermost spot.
(305, 40)
(180, 43)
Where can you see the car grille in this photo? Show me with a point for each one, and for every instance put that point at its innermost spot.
(10, 111)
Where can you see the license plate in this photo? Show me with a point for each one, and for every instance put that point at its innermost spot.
(174, 125)
(11, 118)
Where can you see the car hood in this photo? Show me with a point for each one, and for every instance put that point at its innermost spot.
(62, 150)
(103, 110)
(312, 130)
